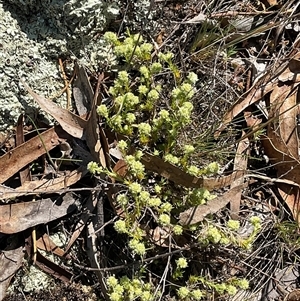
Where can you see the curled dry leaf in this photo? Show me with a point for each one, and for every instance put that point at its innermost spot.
(288, 168)
(21, 216)
(284, 107)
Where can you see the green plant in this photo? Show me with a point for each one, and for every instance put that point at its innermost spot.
(150, 119)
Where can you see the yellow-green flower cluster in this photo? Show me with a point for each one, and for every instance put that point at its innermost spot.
(183, 292)
(171, 159)
(212, 168)
(144, 130)
(137, 247)
(154, 202)
(164, 219)
(193, 170)
(135, 167)
(135, 188)
(233, 224)
(197, 294)
(166, 207)
(178, 230)
(102, 110)
(94, 168)
(127, 289)
(136, 288)
(184, 112)
(188, 149)
(182, 93)
(200, 196)
(122, 199)
(181, 263)
(111, 38)
(122, 145)
(214, 235)
(192, 78)
(166, 57)
(120, 226)
(115, 290)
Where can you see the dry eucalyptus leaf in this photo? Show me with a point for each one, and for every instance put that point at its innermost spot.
(56, 185)
(240, 163)
(10, 262)
(95, 138)
(180, 177)
(22, 155)
(71, 123)
(21, 216)
(196, 214)
(82, 91)
(45, 243)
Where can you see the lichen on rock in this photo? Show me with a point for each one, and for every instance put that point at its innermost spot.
(33, 35)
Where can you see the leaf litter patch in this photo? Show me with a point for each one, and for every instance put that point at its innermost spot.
(280, 143)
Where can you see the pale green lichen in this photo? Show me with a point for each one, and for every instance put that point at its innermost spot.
(36, 32)
(34, 35)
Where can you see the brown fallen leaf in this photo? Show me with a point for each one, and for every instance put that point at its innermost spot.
(21, 216)
(45, 243)
(82, 91)
(292, 72)
(288, 168)
(265, 85)
(240, 163)
(196, 214)
(22, 155)
(256, 94)
(56, 185)
(92, 131)
(291, 196)
(47, 265)
(71, 123)
(10, 262)
(180, 177)
(283, 105)
(90, 206)
(160, 236)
